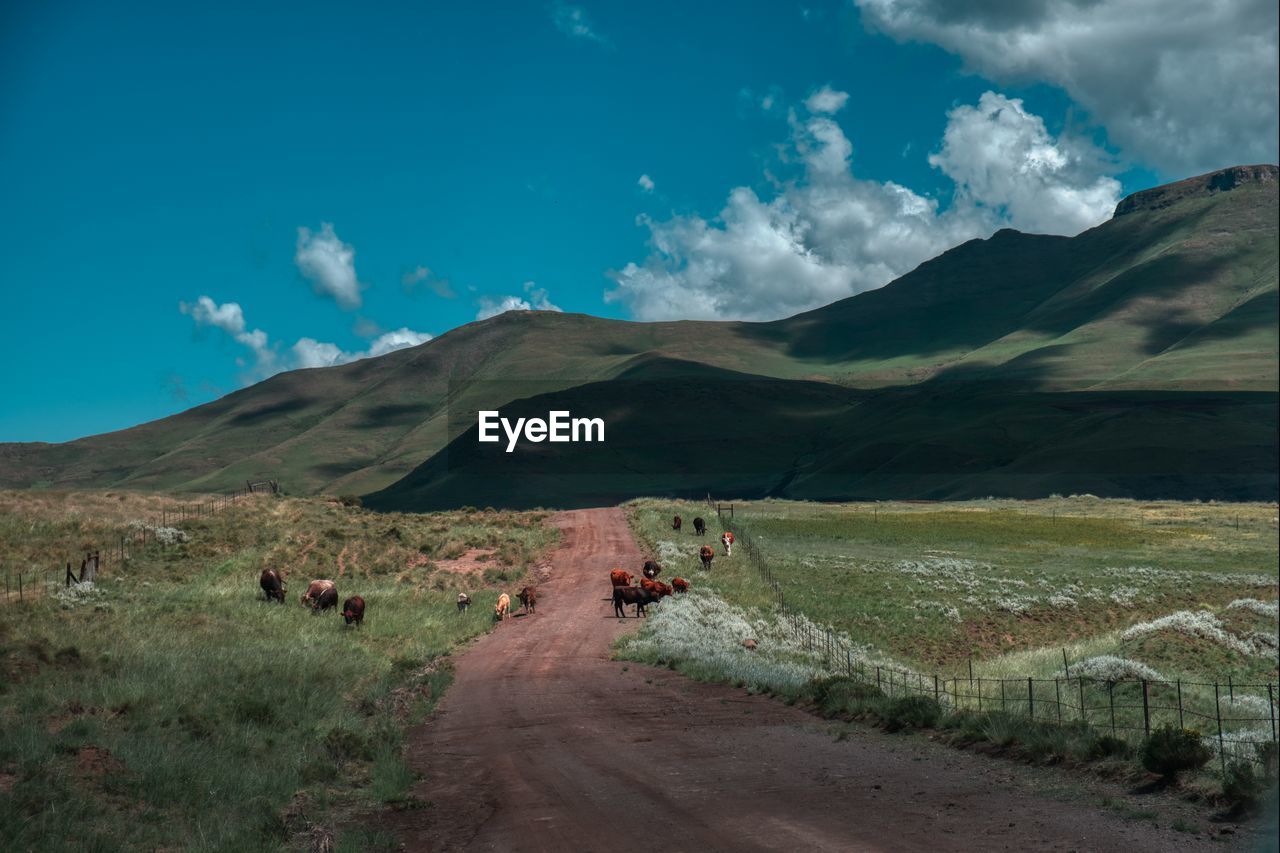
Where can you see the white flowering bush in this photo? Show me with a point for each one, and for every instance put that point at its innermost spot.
(1194, 623)
(77, 594)
(1113, 668)
(703, 635)
(1253, 605)
(163, 535)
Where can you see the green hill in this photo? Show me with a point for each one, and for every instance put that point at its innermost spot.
(1085, 351)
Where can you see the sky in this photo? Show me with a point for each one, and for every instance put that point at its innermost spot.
(194, 199)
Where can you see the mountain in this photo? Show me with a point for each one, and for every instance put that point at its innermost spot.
(1000, 366)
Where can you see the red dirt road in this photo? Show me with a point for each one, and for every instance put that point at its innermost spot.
(544, 744)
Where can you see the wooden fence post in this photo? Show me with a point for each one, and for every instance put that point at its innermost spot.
(1271, 706)
(1181, 724)
(1083, 717)
(1057, 697)
(1031, 699)
(1146, 710)
(1217, 708)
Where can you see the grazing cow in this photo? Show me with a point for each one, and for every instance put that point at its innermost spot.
(699, 526)
(272, 585)
(679, 585)
(676, 522)
(651, 569)
(618, 577)
(502, 609)
(623, 595)
(321, 595)
(464, 601)
(658, 588)
(529, 598)
(726, 539)
(353, 610)
(706, 554)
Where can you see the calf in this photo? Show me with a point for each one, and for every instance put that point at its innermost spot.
(679, 585)
(618, 577)
(726, 539)
(502, 609)
(624, 595)
(321, 595)
(529, 598)
(676, 522)
(464, 601)
(353, 610)
(699, 526)
(706, 554)
(651, 569)
(272, 585)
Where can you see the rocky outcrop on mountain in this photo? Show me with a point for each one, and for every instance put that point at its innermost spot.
(1223, 180)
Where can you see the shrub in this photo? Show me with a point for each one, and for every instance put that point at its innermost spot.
(1170, 750)
(911, 712)
(350, 500)
(1109, 746)
(839, 694)
(1243, 786)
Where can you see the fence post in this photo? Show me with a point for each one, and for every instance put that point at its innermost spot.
(1231, 689)
(1180, 722)
(979, 690)
(1080, 683)
(1217, 708)
(1111, 698)
(1057, 697)
(935, 687)
(1031, 699)
(1146, 710)
(1003, 706)
(877, 678)
(1271, 706)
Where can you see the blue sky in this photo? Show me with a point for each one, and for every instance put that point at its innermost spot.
(150, 157)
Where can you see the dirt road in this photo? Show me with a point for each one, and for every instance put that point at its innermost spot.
(544, 744)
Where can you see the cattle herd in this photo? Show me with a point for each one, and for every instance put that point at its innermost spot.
(322, 594)
(650, 590)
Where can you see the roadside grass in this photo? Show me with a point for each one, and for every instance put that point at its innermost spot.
(1168, 591)
(171, 706)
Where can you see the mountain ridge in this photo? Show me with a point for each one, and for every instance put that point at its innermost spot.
(1172, 294)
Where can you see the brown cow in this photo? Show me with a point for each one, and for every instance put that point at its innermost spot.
(658, 588)
(502, 609)
(706, 554)
(623, 595)
(321, 595)
(529, 598)
(699, 526)
(676, 522)
(353, 610)
(651, 569)
(726, 539)
(679, 585)
(272, 584)
(618, 577)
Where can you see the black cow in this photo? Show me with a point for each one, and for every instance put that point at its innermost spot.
(651, 569)
(699, 526)
(353, 610)
(272, 585)
(624, 595)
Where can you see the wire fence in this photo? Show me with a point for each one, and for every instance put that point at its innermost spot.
(31, 583)
(1237, 720)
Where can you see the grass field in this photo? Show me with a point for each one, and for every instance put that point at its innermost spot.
(170, 707)
(1160, 591)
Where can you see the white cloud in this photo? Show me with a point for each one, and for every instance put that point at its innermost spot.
(229, 318)
(399, 339)
(826, 100)
(306, 352)
(1185, 86)
(1001, 157)
(828, 234)
(645, 183)
(329, 264)
(537, 301)
(573, 22)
